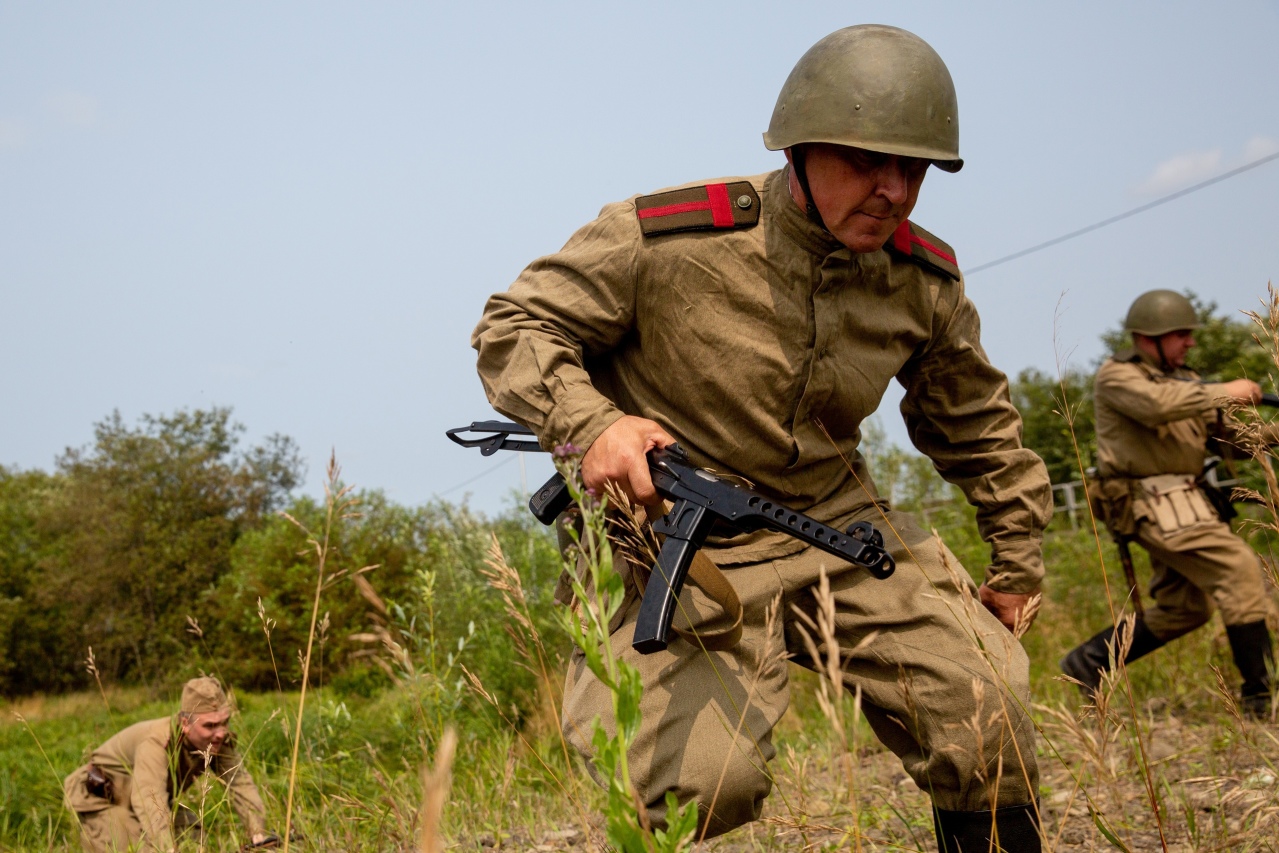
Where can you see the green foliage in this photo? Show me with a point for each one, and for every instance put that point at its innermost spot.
(908, 480)
(26, 634)
(161, 547)
(127, 534)
(1053, 423)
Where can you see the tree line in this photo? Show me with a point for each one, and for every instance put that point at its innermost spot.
(165, 548)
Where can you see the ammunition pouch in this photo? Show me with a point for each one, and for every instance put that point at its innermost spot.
(1173, 502)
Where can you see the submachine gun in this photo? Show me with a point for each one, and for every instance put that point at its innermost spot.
(702, 502)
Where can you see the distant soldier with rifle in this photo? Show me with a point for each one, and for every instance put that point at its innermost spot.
(1154, 421)
(125, 795)
(757, 321)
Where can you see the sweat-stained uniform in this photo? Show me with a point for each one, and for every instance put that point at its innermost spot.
(748, 342)
(1152, 433)
(149, 766)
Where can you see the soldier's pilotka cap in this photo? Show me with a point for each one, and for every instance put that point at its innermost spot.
(203, 696)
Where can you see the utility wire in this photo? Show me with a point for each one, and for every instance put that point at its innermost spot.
(1112, 220)
(1005, 259)
(507, 461)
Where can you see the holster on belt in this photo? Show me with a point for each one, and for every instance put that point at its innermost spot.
(98, 783)
(1111, 499)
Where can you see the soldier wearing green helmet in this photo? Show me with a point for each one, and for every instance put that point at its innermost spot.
(1154, 420)
(757, 321)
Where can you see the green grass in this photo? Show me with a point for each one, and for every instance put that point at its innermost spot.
(364, 744)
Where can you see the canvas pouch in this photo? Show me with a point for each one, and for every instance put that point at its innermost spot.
(1174, 503)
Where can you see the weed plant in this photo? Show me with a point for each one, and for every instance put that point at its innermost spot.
(1161, 759)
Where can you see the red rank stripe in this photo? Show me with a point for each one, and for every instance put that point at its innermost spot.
(903, 238)
(716, 202)
(721, 210)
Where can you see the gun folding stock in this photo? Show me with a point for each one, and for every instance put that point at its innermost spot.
(498, 437)
(701, 501)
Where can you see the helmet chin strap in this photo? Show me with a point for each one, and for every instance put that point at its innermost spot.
(797, 156)
(1163, 358)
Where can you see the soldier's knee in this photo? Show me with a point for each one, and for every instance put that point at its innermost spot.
(1167, 624)
(728, 794)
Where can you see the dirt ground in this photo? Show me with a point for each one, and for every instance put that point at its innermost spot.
(1215, 781)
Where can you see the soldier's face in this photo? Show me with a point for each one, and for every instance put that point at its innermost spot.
(861, 195)
(203, 731)
(1176, 345)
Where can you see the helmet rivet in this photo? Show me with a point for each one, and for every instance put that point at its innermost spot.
(857, 106)
(744, 201)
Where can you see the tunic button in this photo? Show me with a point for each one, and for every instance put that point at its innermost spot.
(743, 201)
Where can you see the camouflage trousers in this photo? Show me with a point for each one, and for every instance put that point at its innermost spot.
(910, 643)
(1198, 569)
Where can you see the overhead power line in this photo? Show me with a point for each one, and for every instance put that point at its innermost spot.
(1112, 220)
(508, 460)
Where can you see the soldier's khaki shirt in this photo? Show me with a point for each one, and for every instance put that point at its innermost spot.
(1150, 421)
(743, 344)
(150, 764)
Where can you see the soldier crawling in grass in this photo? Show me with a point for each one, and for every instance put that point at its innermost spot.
(1154, 421)
(758, 321)
(125, 795)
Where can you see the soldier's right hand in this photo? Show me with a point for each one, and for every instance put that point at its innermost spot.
(1244, 390)
(619, 455)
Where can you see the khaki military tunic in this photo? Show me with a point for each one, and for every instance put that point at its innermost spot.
(149, 766)
(1152, 424)
(749, 346)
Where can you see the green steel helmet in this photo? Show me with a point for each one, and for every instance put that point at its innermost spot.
(1158, 312)
(873, 87)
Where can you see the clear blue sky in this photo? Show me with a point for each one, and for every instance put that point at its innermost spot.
(298, 209)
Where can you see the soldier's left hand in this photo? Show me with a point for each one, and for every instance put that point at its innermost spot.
(1006, 606)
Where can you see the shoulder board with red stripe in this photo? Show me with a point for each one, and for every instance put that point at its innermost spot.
(703, 208)
(924, 249)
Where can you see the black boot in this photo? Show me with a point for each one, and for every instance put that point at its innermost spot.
(1250, 645)
(1088, 661)
(1017, 828)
